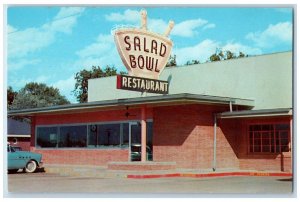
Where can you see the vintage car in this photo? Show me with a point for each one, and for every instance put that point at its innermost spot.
(28, 161)
(136, 152)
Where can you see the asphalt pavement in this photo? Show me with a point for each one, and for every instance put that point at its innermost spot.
(46, 184)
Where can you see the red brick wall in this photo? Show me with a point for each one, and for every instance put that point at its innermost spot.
(181, 134)
(82, 156)
(184, 134)
(23, 142)
(250, 161)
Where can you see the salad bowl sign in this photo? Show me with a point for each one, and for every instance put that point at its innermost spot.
(145, 55)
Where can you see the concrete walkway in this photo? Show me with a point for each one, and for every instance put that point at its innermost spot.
(103, 172)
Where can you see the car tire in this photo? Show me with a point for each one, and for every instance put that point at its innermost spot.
(30, 167)
(11, 171)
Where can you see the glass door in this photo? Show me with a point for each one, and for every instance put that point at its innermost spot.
(135, 141)
(135, 149)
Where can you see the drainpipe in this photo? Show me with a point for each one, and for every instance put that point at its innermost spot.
(215, 144)
(230, 105)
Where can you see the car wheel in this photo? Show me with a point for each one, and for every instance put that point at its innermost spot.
(31, 166)
(12, 171)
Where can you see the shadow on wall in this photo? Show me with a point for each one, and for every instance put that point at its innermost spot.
(172, 125)
(237, 139)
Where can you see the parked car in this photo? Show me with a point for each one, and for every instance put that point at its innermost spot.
(136, 153)
(16, 148)
(28, 161)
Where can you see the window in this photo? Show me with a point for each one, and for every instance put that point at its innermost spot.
(269, 138)
(47, 136)
(72, 136)
(87, 136)
(108, 135)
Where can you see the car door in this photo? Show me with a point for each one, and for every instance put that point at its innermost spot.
(14, 159)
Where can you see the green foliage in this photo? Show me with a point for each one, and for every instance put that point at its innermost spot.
(11, 94)
(35, 95)
(193, 62)
(82, 77)
(172, 61)
(227, 55)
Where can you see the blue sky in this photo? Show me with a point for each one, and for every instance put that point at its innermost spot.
(50, 44)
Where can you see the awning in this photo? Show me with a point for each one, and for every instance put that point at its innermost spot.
(256, 113)
(162, 100)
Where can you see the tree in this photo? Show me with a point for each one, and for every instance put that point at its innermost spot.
(11, 94)
(172, 61)
(193, 62)
(82, 77)
(35, 95)
(227, 55)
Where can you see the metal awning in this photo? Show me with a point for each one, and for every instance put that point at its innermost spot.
(256, 113)
(162, 100)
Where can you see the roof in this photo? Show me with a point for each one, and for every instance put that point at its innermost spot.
(18, 128)
(257, 113)
(161, 100)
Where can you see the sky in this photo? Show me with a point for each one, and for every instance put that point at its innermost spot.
(50, 44)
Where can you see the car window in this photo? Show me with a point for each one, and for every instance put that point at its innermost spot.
(10, 149)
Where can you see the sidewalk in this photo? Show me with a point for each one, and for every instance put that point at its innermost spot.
(103, 172)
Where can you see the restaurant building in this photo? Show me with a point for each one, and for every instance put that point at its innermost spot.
(232, 114)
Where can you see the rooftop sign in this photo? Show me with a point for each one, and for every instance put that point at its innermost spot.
(144, 53)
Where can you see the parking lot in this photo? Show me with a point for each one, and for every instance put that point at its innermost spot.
(45, 183)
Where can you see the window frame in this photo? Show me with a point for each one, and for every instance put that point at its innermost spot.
(120, 147)
(273, 132)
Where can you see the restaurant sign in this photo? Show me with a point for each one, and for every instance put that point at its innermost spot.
(145, 55)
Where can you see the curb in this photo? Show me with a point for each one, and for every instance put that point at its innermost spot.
(204, 175)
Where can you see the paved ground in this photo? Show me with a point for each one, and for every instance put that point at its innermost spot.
(22, 183)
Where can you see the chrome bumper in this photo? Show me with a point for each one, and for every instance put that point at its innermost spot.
(41, 164)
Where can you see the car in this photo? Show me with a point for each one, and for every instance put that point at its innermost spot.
(136, 152)
(28, 161)
(16, 148)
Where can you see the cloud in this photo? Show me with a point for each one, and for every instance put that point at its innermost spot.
(237, 47)
(203, 50)
(200, 51)
(187, 28)
(273, 35)
(66, 86)
(129, 15)
(19, 64)
(10, 29)
(27, 41)
(209, 26)
(157, 25)
(103, 44)
(102, 52)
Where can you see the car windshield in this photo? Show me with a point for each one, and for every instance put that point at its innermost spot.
(10, 149)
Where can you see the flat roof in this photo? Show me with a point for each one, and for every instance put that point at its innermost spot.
(162, 100)
(257, 113)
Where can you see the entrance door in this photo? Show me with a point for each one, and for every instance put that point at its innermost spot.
(135, 141)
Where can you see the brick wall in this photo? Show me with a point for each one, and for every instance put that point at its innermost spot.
(181, 134)
(82, 156)
(184, 134)
(250, 161)
(23, 142)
